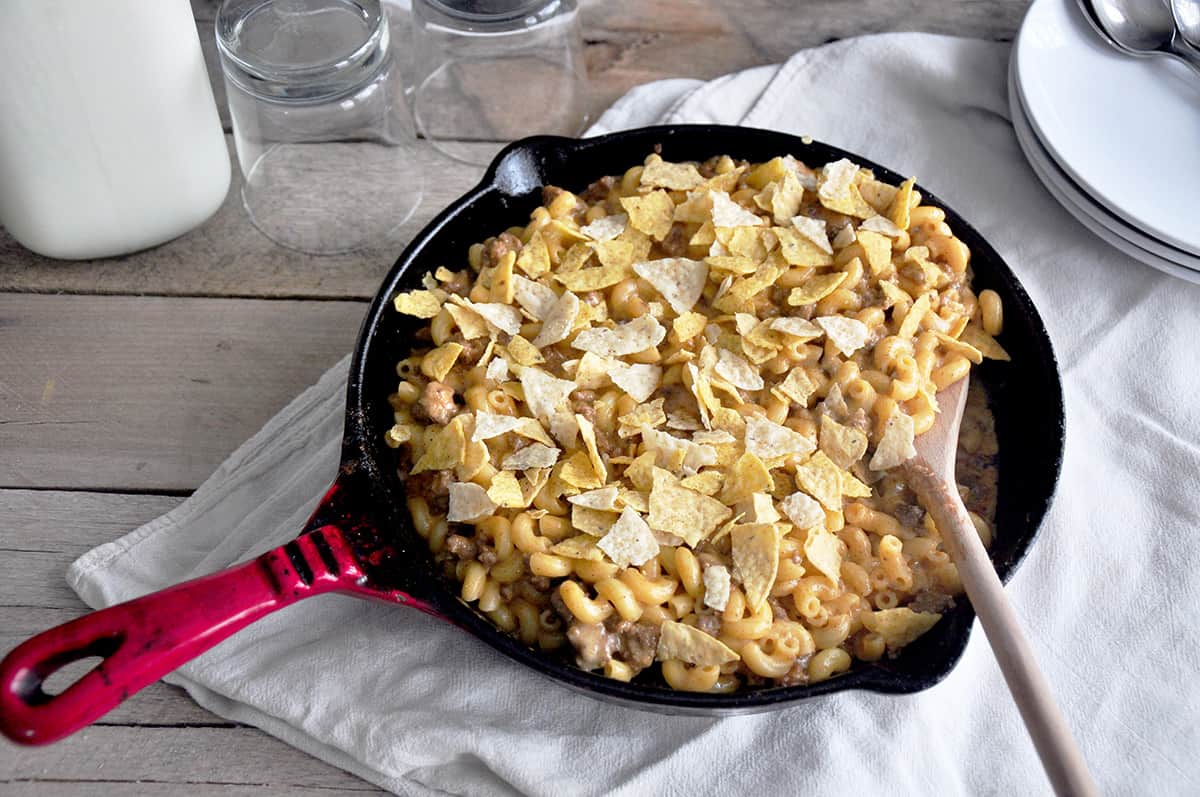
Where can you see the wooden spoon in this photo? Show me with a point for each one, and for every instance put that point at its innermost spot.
(931, 476)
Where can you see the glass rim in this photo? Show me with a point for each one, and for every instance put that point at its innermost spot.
(319, 81)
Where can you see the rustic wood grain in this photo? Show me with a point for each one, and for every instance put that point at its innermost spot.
(150, 394)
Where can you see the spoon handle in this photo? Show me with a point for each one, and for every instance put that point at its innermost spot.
(1061, 758)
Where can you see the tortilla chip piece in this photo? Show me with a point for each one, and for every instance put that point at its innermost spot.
(774, 443)
(848, 335)
(706, 483)
(604, 499)
(815, 230)
(899, 209)
(878, 250)
(731, 264)
(489, 425)
(960, 347)
(545, 395)
(558, 322)
(845, 445)
(535, 298)
(588, 432)
(628, 338)
(629, 541)
(640, 472)
(716, 587)
(985, 343)
(674, 509)
(741, 292)
(658, 173)
(445, 449)
(781, 197)
(882, 225)
(639, 380)
(728, 213)
(502, 279)
(688, 326)
(652, 213)
(853, 488)
(615, 254)
(606, 228)
(824, 551)
(747, 476)
(469, 503)
(534, 257)
(580, 547)
(524, 353)
(815, 289)
(442, 359)
(591, 279)
(804, 511)
(915, 315)
(755, 560)
(759, 509)
(798, 250)
(650, 415)
(677, 279)
(680, 642)
(577, 471)
(532, 456)
(737, 372)
(505, 490)
(595, 522)
(754, 243)
(676, 454)
(422, 304)
(896, 444)
(899, 626)
(821, 479)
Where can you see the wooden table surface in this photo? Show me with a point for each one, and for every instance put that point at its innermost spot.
(126, 381)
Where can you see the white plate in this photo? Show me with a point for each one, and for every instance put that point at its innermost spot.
(1044, 169)
(1060, 185)
(1127, 130)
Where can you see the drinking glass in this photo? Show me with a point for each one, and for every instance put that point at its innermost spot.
(323, 136)
(496, 70)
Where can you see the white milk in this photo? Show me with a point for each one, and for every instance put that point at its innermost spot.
(109, 136)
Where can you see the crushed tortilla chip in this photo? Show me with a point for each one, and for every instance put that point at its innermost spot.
(628, 338)
(652, 213)
(984, 343)
(559, 320)
(502, 279)
(960, 347)
(470, 323)
(804, 511)
(845, 445)
(650, 415)
(580, 547)
(848, 335)
(755, 560)
(677, 279)
(747, 476)
(759, 509)
(422, 304)
(901, 204)
(774, 443)
(523, 352)
(534, 257)
(577, 471)
(629, 541)
(815, 289)
(445, 449)
(680, 642)
(896, 444)
(658, 173)
(815, 230)
(588, 432)
(821, 479)
(716, 587)
(534, 455)
(798, 250)
(595, 522)
(606, 228)
(505, 490)
(639, 380)
(797, 386)
(591, 279)
(882, 225)
(915, 315)
(674, 509)
(706, 482)
(545, 395)
(878, 250)
(824, 551)
(469, 503)
(442, 359)
(899, 626)
(853, 488)
(688, 326)
(604, 498)
(737, 372)
(535, 298)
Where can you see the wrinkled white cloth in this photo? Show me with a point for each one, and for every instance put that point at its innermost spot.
(1109, 591)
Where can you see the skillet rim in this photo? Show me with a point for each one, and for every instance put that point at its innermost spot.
(508, 175)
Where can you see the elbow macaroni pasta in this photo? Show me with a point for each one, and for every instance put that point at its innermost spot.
(801, 308)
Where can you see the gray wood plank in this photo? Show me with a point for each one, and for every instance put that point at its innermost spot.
(116, 755)
(150, 394)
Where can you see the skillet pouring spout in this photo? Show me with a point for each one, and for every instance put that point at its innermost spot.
(142, 640)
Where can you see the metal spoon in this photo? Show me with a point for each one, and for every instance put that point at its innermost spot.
(1140, 28)
(1187, 20)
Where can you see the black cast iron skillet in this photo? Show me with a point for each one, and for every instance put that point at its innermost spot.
(361, 540)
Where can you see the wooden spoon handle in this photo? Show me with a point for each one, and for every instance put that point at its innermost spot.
(1051, 736)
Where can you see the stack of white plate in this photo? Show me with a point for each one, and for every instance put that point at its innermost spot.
(1115, 139)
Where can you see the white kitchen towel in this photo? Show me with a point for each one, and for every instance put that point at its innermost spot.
(1109, 591)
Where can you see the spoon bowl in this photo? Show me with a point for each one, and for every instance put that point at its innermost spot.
(1187, 20)
(1140, 28)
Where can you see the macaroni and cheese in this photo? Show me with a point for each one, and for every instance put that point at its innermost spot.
(663, 422)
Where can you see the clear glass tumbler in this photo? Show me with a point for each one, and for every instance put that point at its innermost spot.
(324, 138)
(496, 70)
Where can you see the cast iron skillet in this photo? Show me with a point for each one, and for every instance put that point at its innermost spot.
(361, 541)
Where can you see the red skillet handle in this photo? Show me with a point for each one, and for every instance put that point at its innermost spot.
(146, 638)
